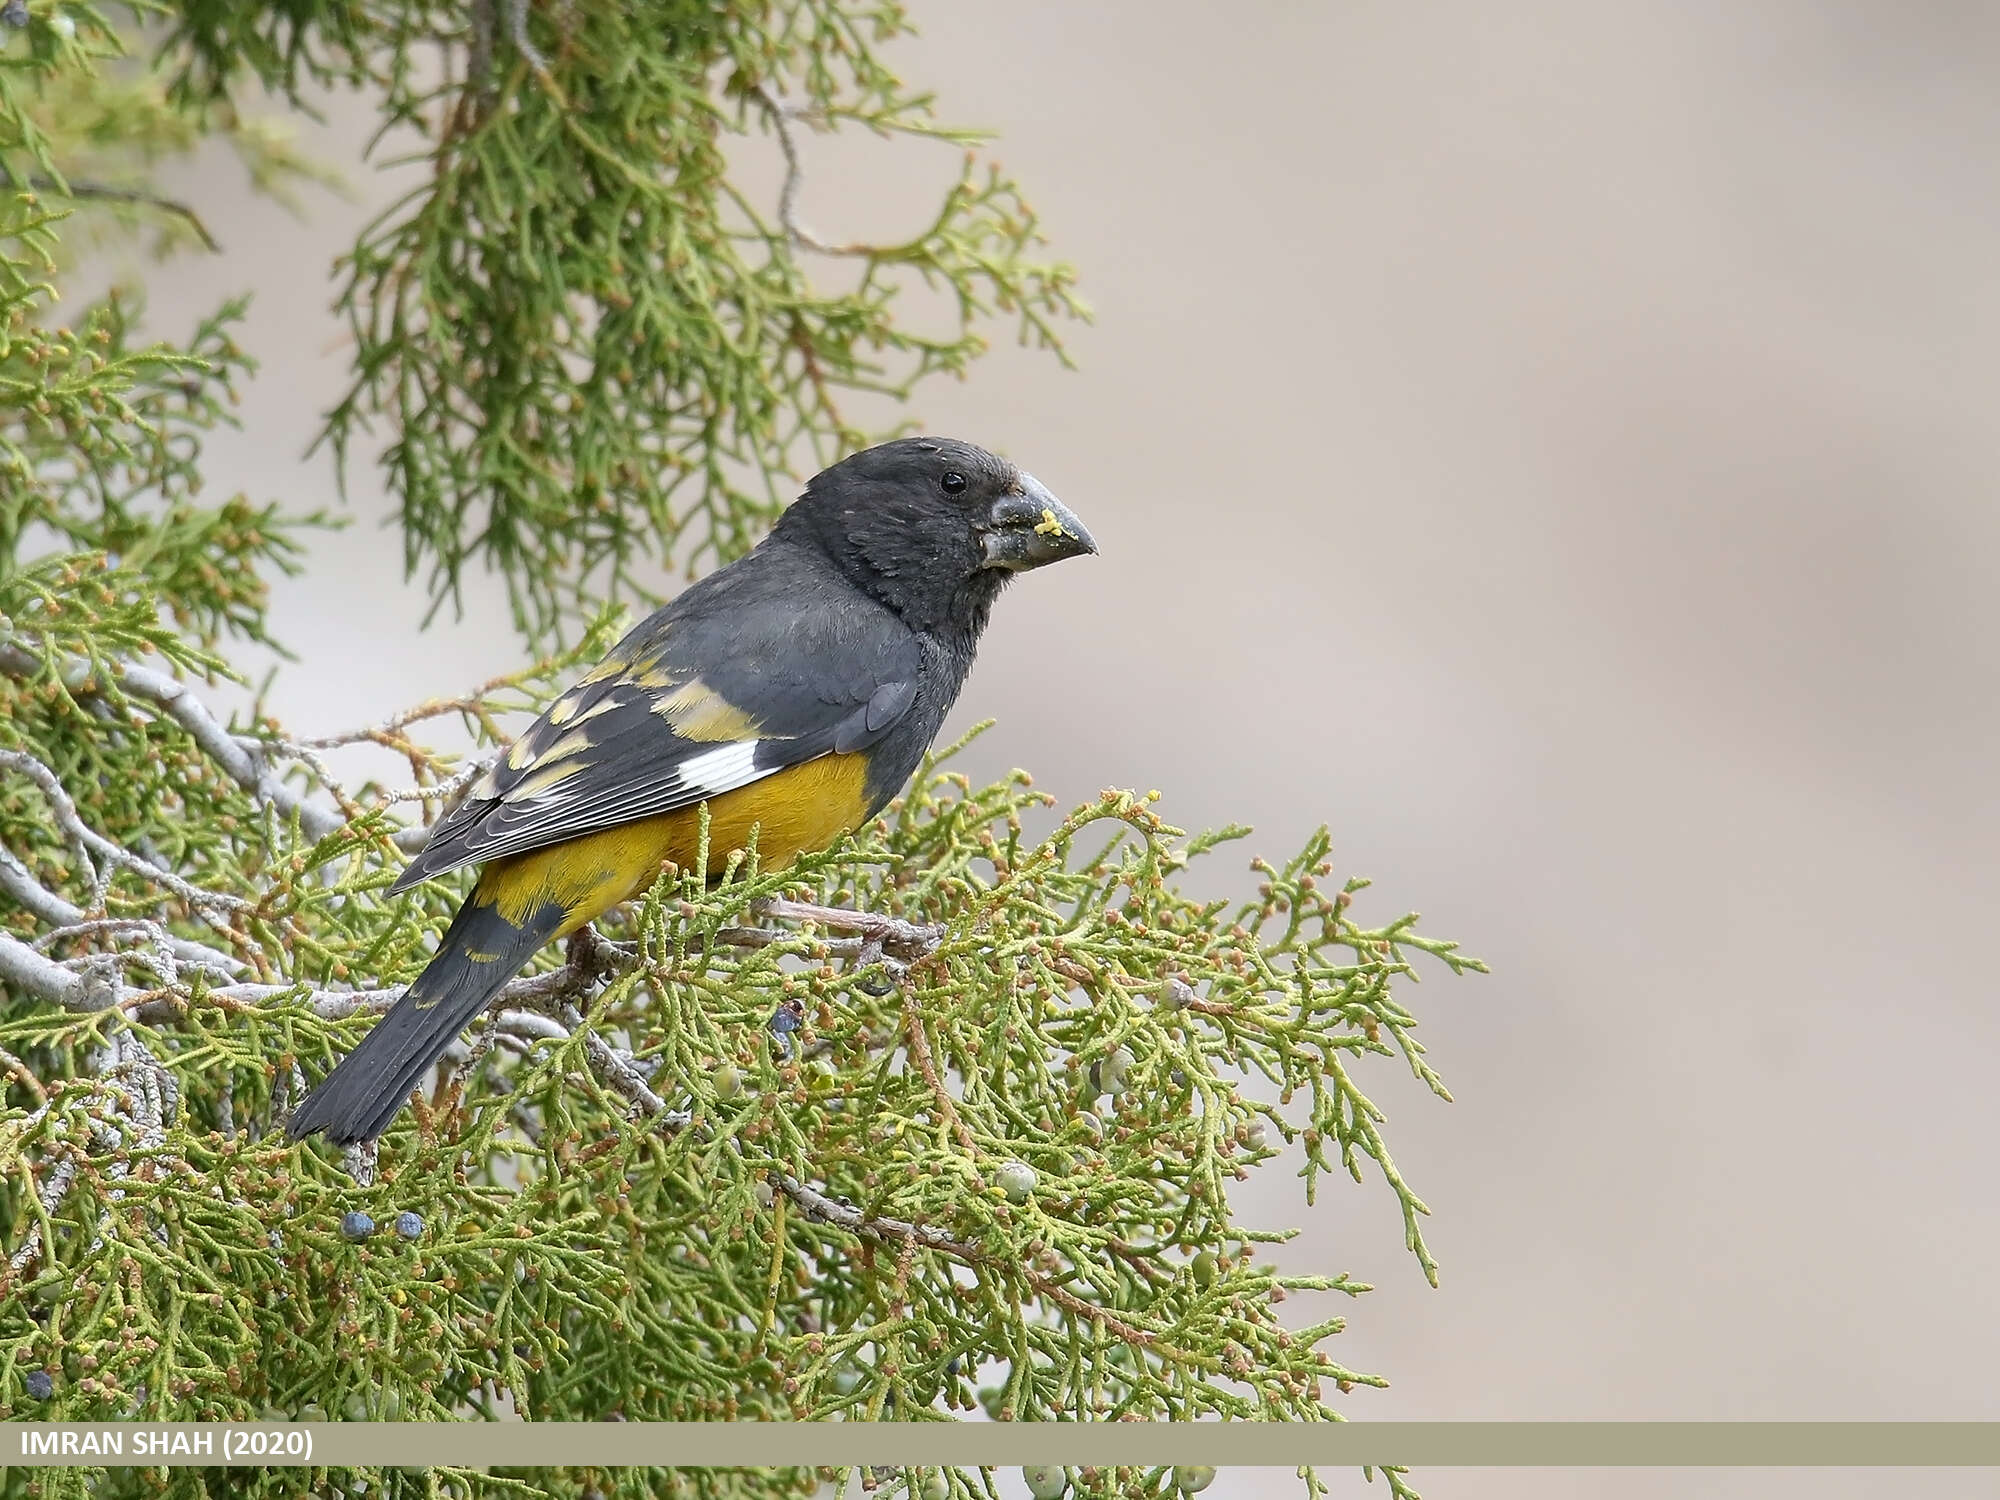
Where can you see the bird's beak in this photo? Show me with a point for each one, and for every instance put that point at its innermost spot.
(1028, 527)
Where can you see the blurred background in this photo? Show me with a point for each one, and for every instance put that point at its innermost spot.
(1552, 444)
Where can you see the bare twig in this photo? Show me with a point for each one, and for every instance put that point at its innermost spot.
(13, 1065)
(105, 193)
(473, 702)
(25, 969)
(622, 1076)
(817, 1206)
(312, 761)
(532, 1025)
(100, 925)
(907, 941)
(920, 1049)
(517, 33)
(764, 937)
(782, 115)
(442, 790)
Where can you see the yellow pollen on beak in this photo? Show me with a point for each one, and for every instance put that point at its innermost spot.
(1048, 525)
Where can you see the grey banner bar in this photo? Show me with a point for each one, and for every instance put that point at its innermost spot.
(764, 1444)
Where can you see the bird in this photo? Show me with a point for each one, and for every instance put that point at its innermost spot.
(793, 691)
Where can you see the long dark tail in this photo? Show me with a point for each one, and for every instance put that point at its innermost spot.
(480, 952)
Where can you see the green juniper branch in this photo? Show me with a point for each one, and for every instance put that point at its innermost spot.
(948, 1117)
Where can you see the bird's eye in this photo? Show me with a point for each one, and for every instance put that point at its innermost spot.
(953, 483)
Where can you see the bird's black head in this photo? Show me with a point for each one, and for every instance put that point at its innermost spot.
(933, 528)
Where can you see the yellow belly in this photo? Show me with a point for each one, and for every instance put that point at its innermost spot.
(794, 811)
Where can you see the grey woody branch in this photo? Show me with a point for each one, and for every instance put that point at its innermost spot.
(108, 855)
(249, 770)
(783, 116)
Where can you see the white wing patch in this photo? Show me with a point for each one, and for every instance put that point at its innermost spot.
(695, 779)
(720, 770)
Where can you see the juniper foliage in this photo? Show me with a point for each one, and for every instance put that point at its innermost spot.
(946, 1118)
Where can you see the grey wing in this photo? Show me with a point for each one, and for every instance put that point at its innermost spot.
(718, 690)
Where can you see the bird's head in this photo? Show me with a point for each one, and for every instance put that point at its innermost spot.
(933, 527)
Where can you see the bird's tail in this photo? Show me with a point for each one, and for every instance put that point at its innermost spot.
(480, 952)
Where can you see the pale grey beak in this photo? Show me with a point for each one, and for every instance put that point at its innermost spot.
(1028, 528)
